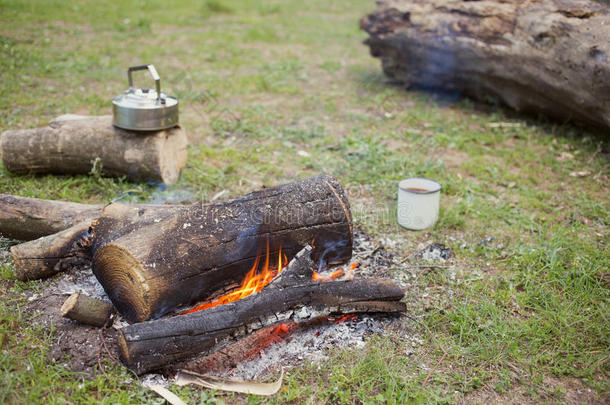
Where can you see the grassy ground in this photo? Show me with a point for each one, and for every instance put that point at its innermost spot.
(284, 89)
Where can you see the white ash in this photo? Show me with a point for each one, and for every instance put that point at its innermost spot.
(435, 253)
(312, 343)
(77, 279)
(154, 379)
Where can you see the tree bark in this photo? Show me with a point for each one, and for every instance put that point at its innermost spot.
(72, 143)
(87, 310)
(50, 254)
(155, 264)
(151, 345)
(26, 218)
(541, 56)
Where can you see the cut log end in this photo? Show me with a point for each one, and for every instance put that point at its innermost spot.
(125, 283)
(87, 310)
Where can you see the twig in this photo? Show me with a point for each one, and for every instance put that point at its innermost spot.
(434, 369)
(99, 362)
(106, 347)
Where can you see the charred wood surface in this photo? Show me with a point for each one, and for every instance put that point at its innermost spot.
(157, 262)
(151, 345)
(50, 254)
(72, 143)
(541, 56)
(46, 256)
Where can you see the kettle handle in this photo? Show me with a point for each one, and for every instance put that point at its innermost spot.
(153, 73)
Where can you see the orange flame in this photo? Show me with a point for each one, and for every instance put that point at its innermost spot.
(328, 277)
(335, 274)
(253, 282)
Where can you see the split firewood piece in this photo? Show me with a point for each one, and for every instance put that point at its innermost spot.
(72, 143)
(153, 265)
(151, 345)
(48, 255)
(544, 56)
(87, 310)
(24, 218)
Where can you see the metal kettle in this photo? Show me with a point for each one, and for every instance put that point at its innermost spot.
(143, 109)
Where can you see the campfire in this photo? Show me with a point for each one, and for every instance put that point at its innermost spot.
(201, 284)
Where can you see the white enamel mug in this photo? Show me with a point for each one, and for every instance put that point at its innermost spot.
(418, 203)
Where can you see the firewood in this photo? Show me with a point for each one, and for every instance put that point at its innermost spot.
(46, 256)
(151, 345)
(545, 56)
(155, 264)
(88, 310)
(72, 143)
(26, 218)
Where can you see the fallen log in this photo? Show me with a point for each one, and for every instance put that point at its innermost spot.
(73, 143)
(151, 345)
(24, 218)
(88, 310)
(152, 265)
(543, 56)
(46, 256)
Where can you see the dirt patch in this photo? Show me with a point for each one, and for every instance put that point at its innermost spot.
(566, 390)
(453, 158)
(79, 347)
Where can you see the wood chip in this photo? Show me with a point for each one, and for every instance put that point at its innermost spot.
(169, 396)
(186, 377)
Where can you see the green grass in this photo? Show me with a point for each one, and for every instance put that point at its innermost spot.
(523, 316)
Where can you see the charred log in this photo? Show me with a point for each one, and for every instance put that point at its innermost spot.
(151, 345)
(161, 261)
(545, 56)
(49, 255)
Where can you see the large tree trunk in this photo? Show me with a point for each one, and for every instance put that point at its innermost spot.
(26, 218)
(542, 56)
(153, 263)
(72, 143)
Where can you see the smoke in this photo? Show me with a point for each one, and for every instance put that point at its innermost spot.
(331, 250)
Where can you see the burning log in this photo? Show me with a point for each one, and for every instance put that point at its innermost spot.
(542, 56)
(87, 310)
(157, 263)
(151, 345)
(26, 218)
(72, 143)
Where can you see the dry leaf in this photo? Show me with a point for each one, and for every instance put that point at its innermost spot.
(580, 174)
(169, 396)
(186, 377)
(504, 124)
(563, 156)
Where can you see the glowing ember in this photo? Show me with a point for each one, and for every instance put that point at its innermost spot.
(343, 318)
(255, 280)
(274, 334)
